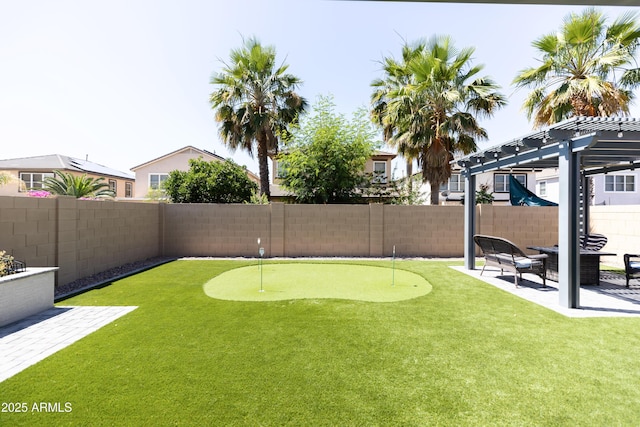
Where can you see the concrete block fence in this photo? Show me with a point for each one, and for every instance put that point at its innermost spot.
(83, 237)
(342, 230)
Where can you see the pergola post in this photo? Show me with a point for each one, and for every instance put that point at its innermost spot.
(469, 221)
(569, 226)
(585, 203)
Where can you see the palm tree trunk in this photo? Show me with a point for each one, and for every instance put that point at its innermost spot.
(264, 168)
(435, 193)
(409, 175)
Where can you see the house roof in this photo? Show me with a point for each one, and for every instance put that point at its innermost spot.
(379, 153)
(198, 151)
(180, 150)
(61, 162)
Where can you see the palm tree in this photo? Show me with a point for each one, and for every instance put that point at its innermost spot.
(67, 184)
(433, 113)
(587, 69)
(255, 102)
(5, 178)
(397, 76)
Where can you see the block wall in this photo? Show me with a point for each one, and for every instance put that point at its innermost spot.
(621, 225)
(86, 237)
(327, 230)
(345, 230)
(423, 230)
(524, 226)
(109, 234)
(82, 237)
(215, 229)
(29, 229)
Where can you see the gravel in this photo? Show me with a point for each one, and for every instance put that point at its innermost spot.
(104, 277)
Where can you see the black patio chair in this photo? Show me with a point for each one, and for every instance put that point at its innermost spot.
(631, 266)
(506, 255)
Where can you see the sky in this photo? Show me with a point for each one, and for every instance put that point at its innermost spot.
(122, 82)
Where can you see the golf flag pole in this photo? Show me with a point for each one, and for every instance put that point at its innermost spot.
(261, 252)
(393, 267)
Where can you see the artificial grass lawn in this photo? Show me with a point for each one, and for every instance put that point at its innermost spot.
(464, 354)
(273, 282)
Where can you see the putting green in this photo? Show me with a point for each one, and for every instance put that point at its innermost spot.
(299, 280)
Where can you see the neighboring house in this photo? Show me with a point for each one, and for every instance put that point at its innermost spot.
(548, 185)
(29, 174)
(619, 188)
(379, 163)
(150, 175)
(616, 188)
(497, 183)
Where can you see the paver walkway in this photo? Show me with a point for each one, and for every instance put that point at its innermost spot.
(36, 337)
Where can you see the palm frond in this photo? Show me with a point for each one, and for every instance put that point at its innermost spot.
(67, 184)
(580, 66)
(426, 105)
(255, 102)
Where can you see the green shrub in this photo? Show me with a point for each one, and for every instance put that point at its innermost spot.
(6, 264)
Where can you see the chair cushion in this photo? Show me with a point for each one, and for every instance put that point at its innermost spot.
(524, 263)
(593, 242)
(635, 265)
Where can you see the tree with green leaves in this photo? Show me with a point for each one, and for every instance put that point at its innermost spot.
(210, 182)
(255, 103)
(396, 192)
(586, 69)
(483, 196)
(78, 186)
(431, 106)
(325, 157)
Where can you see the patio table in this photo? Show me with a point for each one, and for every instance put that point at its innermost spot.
(589, 264)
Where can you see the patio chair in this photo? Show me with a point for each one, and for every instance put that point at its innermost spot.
(631, 266)
(592, 242)
(506, 255)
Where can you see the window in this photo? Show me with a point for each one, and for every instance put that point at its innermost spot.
(501, 181)
(281, 170)
(543, 188)
(156, 180)
(380, 171)
(619, 183)
(128, 189)
(455, 184)
(34, 180)
(113, 185)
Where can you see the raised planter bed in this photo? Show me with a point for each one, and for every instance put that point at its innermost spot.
(26, 293)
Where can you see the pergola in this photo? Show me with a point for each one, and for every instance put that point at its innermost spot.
(553, 2)
(578, 148)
